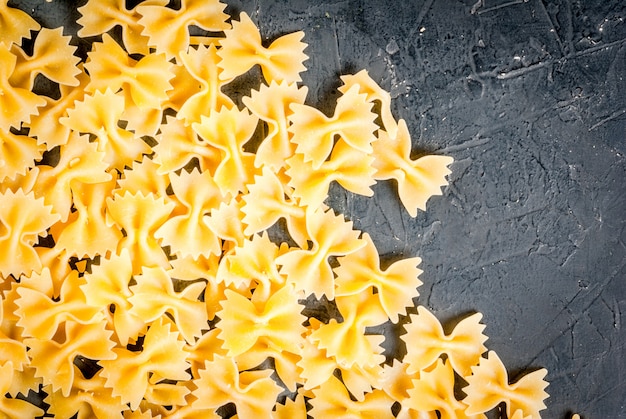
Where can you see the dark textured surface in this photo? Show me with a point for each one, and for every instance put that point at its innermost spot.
(528, 97)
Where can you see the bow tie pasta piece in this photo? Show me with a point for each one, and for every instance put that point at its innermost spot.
(228, 130)
(285, 363)
(13, 350)
(168, 29)
(45, 125)
(98, 17)
(22, 219)
(54, 360)
(489, 385)
(79, 161)
(18, 154)
(140, 216)
(201, 65)
(349, 167)
(418, 179)
(395, 381)
(227, 222)
(242, 49)
(347, 340)
(179, 144)
(87, 233)
(278, 320)
(144, 177)
(332, 400)
(395, 287)
(251, 264)
(366, 85)
(309, 269)
(146, 80)
(434, 391)
(99, 115)
(41, 314)
(17, 407)
(265, 204)
(106, 288)
(291, 409)
(272, 105)
(162, 355)
(154, 295)
(15, 25)
(315, 133)
(253, 393)
(53, 57)
(188, 234)
(17, 104)
(426, 342)
(89, 398)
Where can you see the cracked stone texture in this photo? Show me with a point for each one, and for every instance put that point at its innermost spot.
(528, 97)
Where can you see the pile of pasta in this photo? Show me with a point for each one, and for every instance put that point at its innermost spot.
(140, 273)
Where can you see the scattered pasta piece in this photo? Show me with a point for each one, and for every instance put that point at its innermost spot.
(253, 393)
(332, 400)
(272, 104)
(463, 346)
(101, 16)
(168, 29)
(489, 385)
(54, 360)
(309, 269)
(128, 373)
(395, 287)
(22, 219)
(276, 320)
(53, 57)
(242, 49)
(14, 407)
(17, 104)
(154, 295)
(418, 179)
(314, 132)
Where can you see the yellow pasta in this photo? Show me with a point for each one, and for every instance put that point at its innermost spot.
(463, 346)
(53, 57)
(241, 49)
(308, 269)
(188, 234)
(14, 408)
(201, 65)
(106, 288)
(22, 219)
(98, 17)
(332, 400)
(128, 373)
(54, 361)
(17, 104)
(168, 29)
(228, 130)
(526, 395)
(166, 246)
(272, 104)
(395, 287)
(418, 179)
(314, 133)
(99, 115)
(154, 295)
(15, 24)
(220, 382)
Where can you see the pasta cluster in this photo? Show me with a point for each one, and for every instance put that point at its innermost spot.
(139, 275)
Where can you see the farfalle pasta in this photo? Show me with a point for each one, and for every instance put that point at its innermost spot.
(167, 248)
